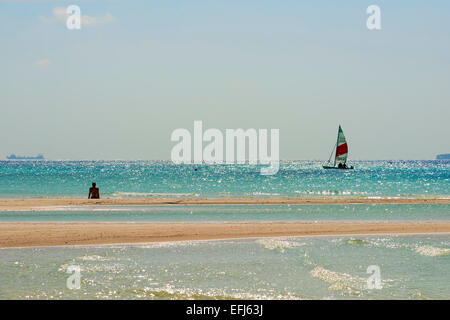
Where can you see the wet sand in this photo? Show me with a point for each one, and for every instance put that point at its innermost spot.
(27, 234)
(42, 203)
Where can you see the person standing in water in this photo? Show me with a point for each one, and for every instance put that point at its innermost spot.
(94, 193)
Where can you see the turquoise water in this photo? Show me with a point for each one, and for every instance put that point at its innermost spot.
(164, 179)
(411, 267)
(359, 212)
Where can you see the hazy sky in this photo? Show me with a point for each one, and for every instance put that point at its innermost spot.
(137, 70)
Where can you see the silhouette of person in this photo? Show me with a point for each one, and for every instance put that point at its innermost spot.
(94, 192)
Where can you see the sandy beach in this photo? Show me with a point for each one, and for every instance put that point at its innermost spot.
(21, 204)
(26, 234)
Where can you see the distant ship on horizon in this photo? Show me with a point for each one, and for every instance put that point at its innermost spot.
(14, 157)
(445, 156)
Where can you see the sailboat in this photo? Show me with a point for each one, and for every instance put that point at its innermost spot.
(340, 157)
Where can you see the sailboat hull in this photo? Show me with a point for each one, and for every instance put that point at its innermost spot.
(337, 168)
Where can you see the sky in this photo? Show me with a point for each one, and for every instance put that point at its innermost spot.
(137, 70)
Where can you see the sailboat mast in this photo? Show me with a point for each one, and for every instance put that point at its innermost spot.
(337, 141)
(331, 154)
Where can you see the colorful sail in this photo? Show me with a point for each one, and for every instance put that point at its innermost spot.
(341, 148)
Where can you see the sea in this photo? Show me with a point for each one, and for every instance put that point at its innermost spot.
(407, 266)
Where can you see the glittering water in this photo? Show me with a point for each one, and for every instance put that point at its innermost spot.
(237, 213)
(411, 267)
(164, 179)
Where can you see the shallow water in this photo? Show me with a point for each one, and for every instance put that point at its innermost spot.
(411, 267)
(242, 213)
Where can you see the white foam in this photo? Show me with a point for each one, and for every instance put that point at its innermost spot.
(340, 281)
(189, 293)
(275, 244)
(431, 251)
(93, 258)
(332, 192)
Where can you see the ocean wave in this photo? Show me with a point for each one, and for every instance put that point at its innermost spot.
(93, 258)
(151, 194)
(170, 293)
(340, 281)
(424, 250)
(168, 244)
(387, 243)
(281, 245)
(164, 244)
(332, 192)
(110, 268)
(430, 251)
